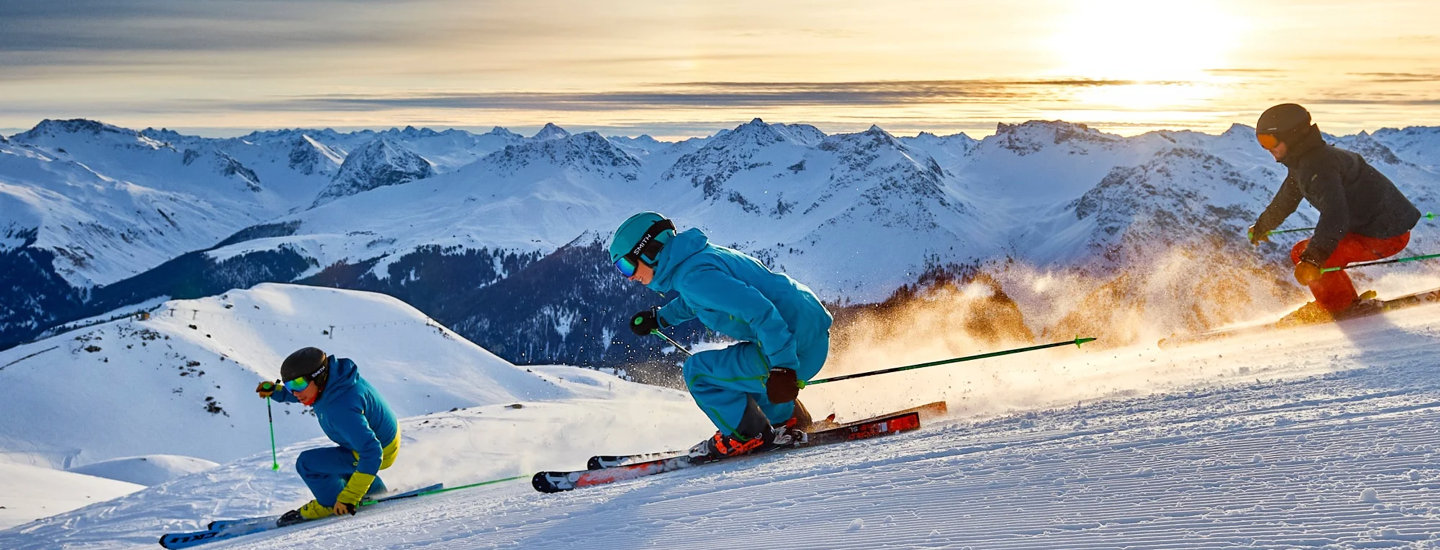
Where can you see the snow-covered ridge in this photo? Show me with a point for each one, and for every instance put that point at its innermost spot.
(854, 216)
(190, 370)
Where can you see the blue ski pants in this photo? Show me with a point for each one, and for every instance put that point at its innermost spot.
(720, 380)
(326, 471)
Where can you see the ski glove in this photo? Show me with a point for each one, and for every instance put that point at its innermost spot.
(1307, 273)
(1257, 237)
(645, 322)
(354, 492)
(266, 388)
(782, 386)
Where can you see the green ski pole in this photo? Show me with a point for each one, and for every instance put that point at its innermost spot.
(274, 459)
(1383, 262)
(672, 342)
(1077, 341)
(1427, 216)
(448, 489)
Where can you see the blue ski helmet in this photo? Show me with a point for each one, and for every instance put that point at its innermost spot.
(640, 238)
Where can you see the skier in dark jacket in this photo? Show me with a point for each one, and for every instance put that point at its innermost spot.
(1362, 215)
(783, 329)
(353, 415)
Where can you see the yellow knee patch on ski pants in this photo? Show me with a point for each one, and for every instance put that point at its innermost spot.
(359, 483)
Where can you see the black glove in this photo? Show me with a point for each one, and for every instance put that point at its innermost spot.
(644, 322)
(266, 388)
(782, 386)
(1257, 237)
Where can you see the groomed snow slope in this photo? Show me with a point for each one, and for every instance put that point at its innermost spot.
(1315, 437)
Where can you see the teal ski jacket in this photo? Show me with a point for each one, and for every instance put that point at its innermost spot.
(352, 414)
(735, 295)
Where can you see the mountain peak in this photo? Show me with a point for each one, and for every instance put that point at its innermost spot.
(588, 152)
(164, 134)
(378, 163)
(504, 133)
(49, 127)
(410, 132)
(62, 133)
(1372, 149)
(755, 132)
(309, 156)
(1035, 135)
(1237, 129)
(551, 131)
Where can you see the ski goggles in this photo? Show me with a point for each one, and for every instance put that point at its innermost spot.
(627, 266)
(299, 384)
(1268, 141)
(646, 247)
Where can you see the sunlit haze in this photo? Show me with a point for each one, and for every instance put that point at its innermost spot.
(677, 69)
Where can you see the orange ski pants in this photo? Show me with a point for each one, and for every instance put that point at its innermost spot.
(1334, 291)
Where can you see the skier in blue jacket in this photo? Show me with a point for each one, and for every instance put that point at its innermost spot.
(783, 329)
(353, 415)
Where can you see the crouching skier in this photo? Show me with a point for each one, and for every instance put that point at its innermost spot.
(353, 415)
(1363, 216)
(748, 389)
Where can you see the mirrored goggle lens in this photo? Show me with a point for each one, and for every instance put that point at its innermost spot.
(626, 267)
(298, 384)
(1268, 141)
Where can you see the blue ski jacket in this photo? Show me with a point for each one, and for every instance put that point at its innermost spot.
(352, 414)
(735, 295)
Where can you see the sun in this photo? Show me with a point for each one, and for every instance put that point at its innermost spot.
(1155, 40)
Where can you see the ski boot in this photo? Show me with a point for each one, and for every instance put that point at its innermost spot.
(799, 420)
(1311, 313)
(1365, 304)
(753, 434)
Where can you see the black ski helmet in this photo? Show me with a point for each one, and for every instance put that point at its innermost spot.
(1284, 121)
(306, 362)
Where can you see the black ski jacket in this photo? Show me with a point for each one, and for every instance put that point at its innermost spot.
(1351, 195)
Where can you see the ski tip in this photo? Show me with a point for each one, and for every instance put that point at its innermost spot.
(594, 463)
(162, 541)
(1079, 340)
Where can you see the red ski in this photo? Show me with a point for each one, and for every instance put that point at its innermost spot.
(554, 482)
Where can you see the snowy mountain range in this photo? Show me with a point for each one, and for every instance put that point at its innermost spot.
(502, 237)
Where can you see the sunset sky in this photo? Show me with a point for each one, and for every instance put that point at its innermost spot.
(678, 68)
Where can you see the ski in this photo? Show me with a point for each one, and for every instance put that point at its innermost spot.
(1386, 306)
(928, 412)
(554, 482)
(231, 528)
